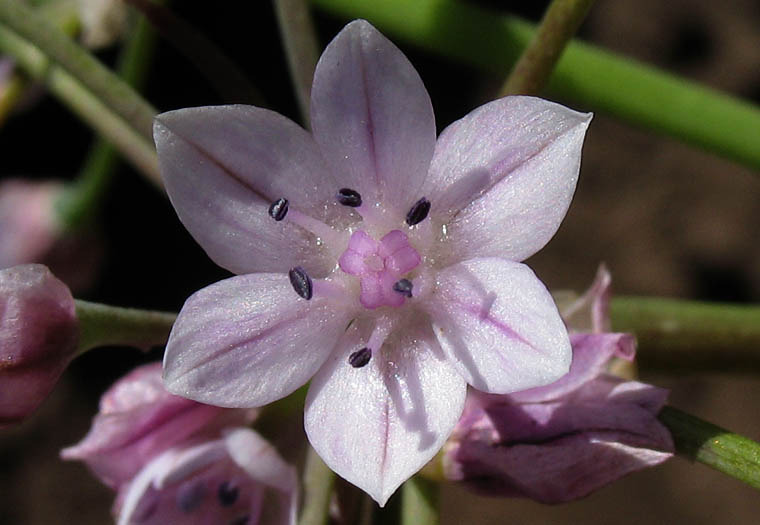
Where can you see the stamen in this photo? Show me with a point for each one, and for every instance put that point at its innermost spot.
(419, 212)
(279, 209)
(301, 282)
(360, 358)
(349, 197)
(240, 520)
(404, 287)
(227, 494)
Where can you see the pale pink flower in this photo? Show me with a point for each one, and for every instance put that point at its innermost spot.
(562, 441)
(236, 479)
(138, 420)
(39, 332)
(375, 260)
(172, 460)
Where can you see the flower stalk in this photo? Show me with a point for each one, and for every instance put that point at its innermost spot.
(588, 76)
(419, 503)
(560, 22)
(81, 200)
(89, 89)
(301, 48)
(674, 334)
(716, 447)
(103, 325)
(318, 482)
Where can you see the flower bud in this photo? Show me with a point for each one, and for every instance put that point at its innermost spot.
(33, 233)
(38, 337)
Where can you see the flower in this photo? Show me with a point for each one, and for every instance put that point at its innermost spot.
(237, 479)
(39, 332)
(138, 420)
(32, 232)
(375, 260)
(172, 460)
(562, 441)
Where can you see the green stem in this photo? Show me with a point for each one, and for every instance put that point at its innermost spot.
(301, 48)
(103, 325)
(318, 482)
(106, 103)
(560, 22)
(677, 334)
(716, 447)
(419, 502)
(81, 201)
(592, 78)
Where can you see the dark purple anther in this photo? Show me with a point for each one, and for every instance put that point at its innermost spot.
(360, 358)
(404, 287)
(418, 212)
(279, 209)
(240, 520)
(227, 493)
(349, 197)
(301, 282)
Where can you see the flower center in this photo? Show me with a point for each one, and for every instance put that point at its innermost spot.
(380, 265)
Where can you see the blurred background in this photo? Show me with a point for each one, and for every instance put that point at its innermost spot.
(669, 220)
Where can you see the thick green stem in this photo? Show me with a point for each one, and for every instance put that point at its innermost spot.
(81, 202)
(103, 325)
(716, 447)
(301, 48)
(592, 78)
(103, 101)
(419, 502)
(677, 335)
(318, 482)
(560, 22)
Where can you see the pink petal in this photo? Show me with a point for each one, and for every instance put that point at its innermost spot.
(139, 419)
(223, 166)
(249, 340)
(373, 118)
(261, 461)
(506, 174)
(497, 322)
(591, 353)
(591, 311)
(562, 450)
(377, 425)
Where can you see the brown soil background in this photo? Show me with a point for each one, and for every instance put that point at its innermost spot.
(668, 220)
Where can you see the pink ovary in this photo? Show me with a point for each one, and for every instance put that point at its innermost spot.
(379, 264)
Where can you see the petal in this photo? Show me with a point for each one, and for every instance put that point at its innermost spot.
(503, 176)
(249, 340)
(591, 311)
(591, 354)
(373, 118)
(378, 425)
(223, 166)
(259, 459)
(499, 325)
(563, 470)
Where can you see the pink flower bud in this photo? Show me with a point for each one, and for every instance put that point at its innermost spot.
(38, 337)
(139, 419)
(31, 232)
